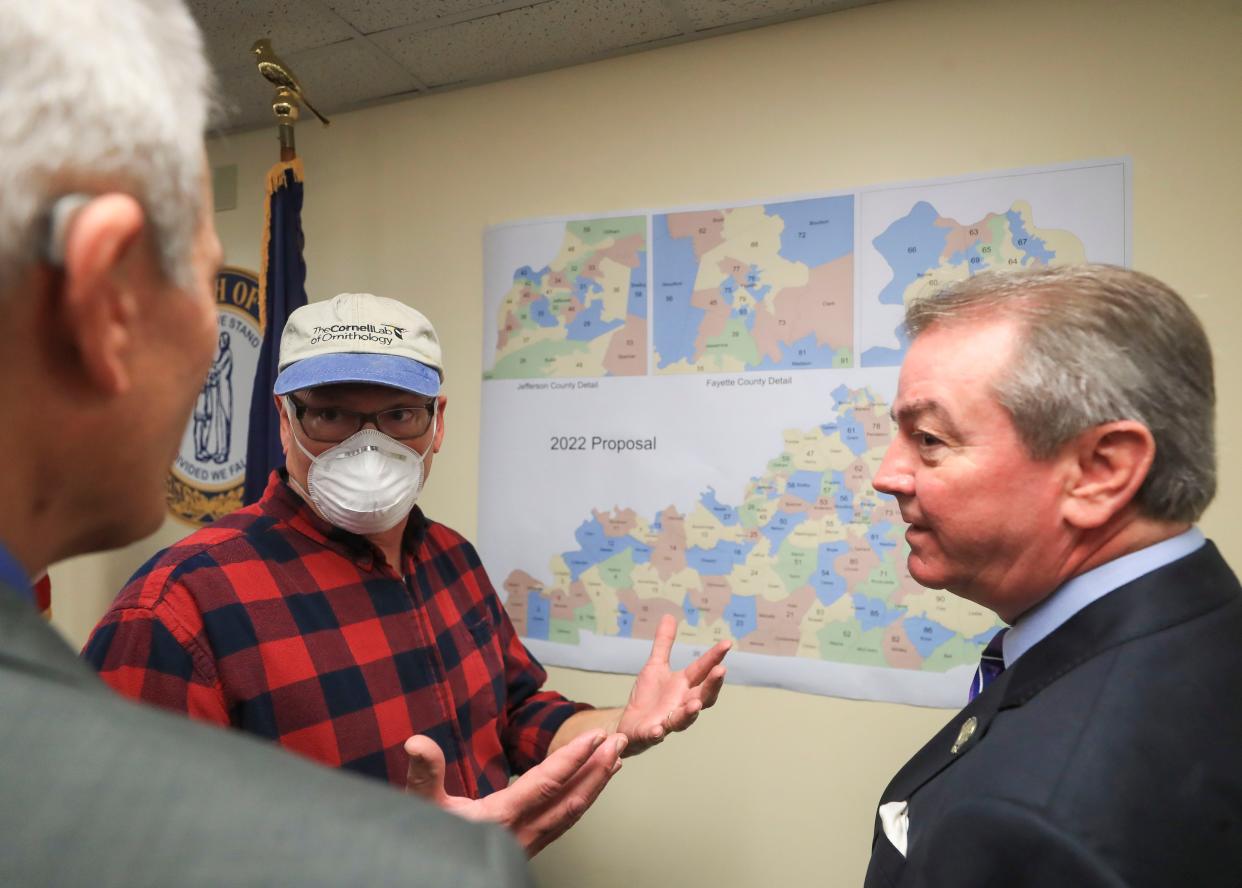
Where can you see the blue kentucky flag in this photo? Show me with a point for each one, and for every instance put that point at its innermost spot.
(282, 289)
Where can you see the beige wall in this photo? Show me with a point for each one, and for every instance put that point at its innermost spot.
(772, 788)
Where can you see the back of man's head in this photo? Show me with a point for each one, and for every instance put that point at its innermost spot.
(1098, 344)
(100, 95)
(106, 254)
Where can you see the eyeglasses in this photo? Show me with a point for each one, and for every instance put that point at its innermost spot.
(335, 424)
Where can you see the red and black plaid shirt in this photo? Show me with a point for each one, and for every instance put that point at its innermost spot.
(272, 621)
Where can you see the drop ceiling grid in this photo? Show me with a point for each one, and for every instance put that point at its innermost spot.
(353, 53)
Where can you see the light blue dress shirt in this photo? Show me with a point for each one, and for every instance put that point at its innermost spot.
(1040, 622)
(14, 574)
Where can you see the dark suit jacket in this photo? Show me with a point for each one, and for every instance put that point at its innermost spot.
(96, 790)
(1110, 754)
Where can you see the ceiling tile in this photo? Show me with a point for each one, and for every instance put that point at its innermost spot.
(707, 14)
(230, 27)
(370, 16)
(345, 74)
(532, 38)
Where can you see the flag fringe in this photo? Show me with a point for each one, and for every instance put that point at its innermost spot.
(275, 181)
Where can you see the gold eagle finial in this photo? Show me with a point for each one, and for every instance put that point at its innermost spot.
(280, 74)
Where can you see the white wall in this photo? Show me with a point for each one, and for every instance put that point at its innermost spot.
(771, 788)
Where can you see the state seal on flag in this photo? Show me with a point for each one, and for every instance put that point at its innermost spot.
(209, 473)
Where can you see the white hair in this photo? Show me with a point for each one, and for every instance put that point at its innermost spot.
(95, 96)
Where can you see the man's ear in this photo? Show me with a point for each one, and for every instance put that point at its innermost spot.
(101, 273)
(285, 431)
(441, 407)
(1111, 463)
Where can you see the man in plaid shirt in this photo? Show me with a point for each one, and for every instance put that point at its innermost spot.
(333, 617)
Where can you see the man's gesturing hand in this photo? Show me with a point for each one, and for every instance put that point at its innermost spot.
(663, 701)
(538, 806)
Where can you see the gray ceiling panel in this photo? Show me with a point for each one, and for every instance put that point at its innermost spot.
(358, 73)
(372, 16)
(708, 14)
(230, 27)
(533, 38)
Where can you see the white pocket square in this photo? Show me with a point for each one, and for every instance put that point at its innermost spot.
(895, 818)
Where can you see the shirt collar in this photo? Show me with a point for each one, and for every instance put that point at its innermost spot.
(13, 574)
(1084, 589)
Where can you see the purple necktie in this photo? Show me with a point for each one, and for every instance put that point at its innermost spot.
(991, 664)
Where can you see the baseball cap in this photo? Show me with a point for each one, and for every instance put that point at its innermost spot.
(358, 337)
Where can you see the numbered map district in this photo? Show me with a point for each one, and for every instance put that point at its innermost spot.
(582, 314)
(927, 252)
(754, 288)
(810, 564)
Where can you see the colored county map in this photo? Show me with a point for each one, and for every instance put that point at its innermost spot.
(810, 564)
(754, 288)
(927, 252)
(582, 314)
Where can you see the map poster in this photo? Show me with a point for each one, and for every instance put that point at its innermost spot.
(705, 447)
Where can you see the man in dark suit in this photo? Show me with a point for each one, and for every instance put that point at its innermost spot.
(1055, 447)
(107, 328)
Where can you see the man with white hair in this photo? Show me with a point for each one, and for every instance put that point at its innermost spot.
(107, 258)
(1054, 448)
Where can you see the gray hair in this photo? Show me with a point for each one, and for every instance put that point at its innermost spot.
(1098, 344)
(106, 95)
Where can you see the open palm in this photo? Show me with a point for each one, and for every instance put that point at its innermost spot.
(663, 701)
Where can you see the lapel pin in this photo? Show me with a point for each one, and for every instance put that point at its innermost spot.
(964, 735)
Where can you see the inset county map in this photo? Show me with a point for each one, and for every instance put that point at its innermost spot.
(755, 288)
(581, 311)
(915, 240)
(927, 252)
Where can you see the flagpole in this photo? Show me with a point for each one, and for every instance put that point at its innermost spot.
(285, 107)
(288, 151)
(282, 275)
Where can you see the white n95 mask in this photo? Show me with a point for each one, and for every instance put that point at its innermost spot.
(368, 483)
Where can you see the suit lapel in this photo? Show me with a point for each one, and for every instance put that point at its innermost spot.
(952, 742)
(1177, 592)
